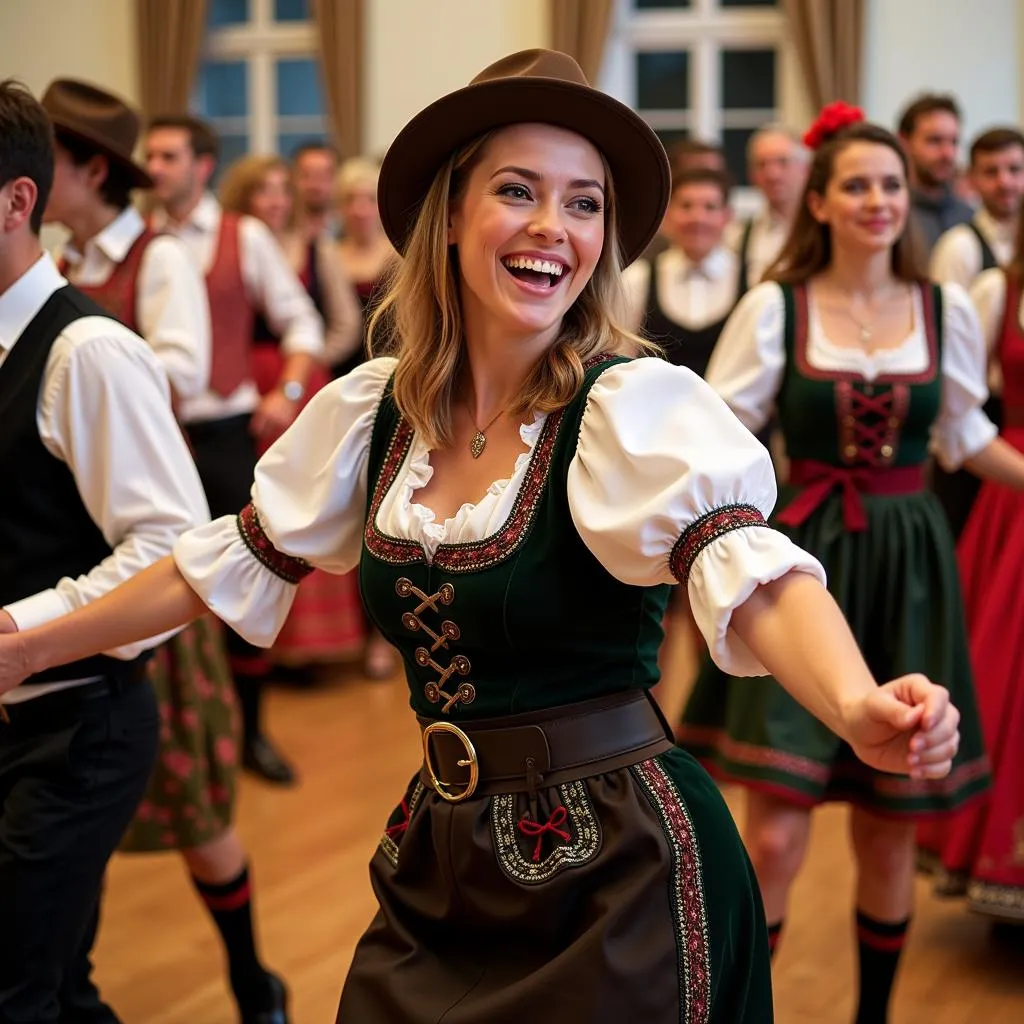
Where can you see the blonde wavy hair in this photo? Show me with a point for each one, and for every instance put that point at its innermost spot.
(419, 317)
(244, 177)
(355, 172)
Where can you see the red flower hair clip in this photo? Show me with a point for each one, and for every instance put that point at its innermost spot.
(833, 118)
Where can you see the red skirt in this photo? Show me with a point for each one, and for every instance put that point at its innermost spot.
(980, 850)
(326, 622)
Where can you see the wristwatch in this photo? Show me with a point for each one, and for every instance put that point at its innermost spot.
(293, 390)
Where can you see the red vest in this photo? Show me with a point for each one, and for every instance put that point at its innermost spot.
(118, 295)
(231, 312)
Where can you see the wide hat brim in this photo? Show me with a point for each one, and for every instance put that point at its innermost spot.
(139, 177)
(639, 167)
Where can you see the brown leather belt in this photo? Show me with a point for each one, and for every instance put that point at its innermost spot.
(520, 753)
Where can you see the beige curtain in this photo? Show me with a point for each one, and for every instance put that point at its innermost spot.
(340, 33)
(170, 40)
(828, 35)
(580, 28)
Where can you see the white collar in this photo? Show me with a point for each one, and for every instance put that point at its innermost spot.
(715, 266)
(992, 228)
(205, 218)
(114, 241)
(23, 299)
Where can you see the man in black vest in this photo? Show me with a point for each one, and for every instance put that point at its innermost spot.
(99, 485)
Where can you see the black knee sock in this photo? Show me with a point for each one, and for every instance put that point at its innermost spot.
(230, 906)
(249, 689)
(774, 931)
(879, 945)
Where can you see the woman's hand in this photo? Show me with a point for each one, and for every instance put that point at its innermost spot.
(14, 662)
(906, 727)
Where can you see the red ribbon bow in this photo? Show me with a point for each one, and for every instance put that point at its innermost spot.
(557, 818)
(399, 826)
(821, 480)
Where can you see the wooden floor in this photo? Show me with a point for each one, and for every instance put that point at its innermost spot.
(355, 744)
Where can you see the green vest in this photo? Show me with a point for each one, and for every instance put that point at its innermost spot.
(522, 620)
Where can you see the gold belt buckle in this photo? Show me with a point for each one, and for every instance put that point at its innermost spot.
(470, 762)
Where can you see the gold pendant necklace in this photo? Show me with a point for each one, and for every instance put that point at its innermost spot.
(479, 439)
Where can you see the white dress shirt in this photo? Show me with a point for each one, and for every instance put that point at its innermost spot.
(957, 259)
(767, 237)
(750, 359)
(171, 307)
(691, 294)
(657, 449)
(274, 290)
(104, 410)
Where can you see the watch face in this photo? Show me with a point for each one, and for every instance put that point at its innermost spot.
(293, 390)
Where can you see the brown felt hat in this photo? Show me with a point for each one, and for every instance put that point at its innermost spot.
(530, 86)
(99, 118)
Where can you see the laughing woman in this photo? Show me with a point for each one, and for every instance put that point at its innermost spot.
(519, 502)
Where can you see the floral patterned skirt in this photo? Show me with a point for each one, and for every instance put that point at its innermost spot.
(191, 795)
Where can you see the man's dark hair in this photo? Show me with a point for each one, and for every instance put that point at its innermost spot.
(313, 146)
(26, 144)
(722, 180)
(116, 189)
(202, 139)
(995, 140)
(681, 153)
(928, 103)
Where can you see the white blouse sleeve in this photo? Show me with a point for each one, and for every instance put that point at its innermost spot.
(667, 486)
(747, 364)
(308, 510)
(962, 429)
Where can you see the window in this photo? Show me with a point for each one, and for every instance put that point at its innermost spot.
(259, 79)
(710, 69)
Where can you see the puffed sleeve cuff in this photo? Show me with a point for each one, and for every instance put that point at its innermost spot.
(668, 486)
(244, 580)
(307, 511)
(723, 557)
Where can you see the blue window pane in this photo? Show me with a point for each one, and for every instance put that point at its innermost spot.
(288, 142)
(227, 12)
(223, 88)
(298, 88)
(748, 79)
(291, 10)
(663, 80)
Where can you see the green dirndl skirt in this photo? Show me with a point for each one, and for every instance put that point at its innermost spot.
(191, 796)
(898, 587)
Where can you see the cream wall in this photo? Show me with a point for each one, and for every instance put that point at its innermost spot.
(93, 39)
(418, 51)
(972, 48)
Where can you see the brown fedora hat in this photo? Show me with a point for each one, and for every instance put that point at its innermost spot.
(530, 86)
(99, 118)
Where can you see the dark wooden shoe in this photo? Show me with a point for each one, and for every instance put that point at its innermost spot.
(275, 1009)
(261, 758)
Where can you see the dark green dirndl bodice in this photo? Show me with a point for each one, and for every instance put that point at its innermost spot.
(857, 502)
(523, 620)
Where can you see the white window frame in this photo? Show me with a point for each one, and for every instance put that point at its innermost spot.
(704, 29)
(259, 43)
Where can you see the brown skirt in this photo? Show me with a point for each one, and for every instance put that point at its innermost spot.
(623, 896)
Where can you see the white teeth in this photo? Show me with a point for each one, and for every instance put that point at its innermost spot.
(539, 266)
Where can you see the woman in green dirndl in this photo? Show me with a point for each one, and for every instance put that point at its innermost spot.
(867, 365)
(519, 499)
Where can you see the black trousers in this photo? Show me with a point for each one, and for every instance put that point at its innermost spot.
(73, 766)
(225, 456)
